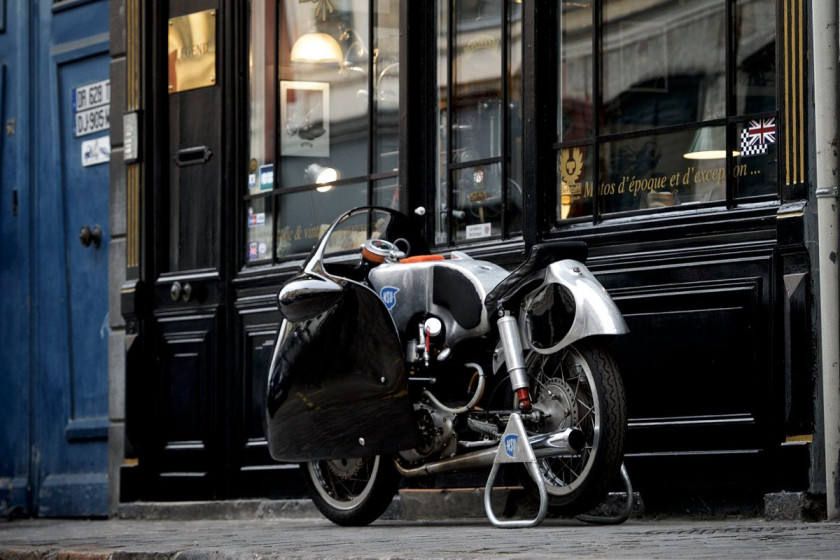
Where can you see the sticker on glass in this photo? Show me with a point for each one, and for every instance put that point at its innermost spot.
(757, 136)
(255, 218)
(267, 177)
(477, 231)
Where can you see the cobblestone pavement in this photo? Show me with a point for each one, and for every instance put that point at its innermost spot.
(311, 539)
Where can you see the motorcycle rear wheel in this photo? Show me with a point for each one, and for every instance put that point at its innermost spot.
(579, 386)
(351, 492)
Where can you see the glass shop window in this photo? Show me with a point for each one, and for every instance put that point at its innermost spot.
(479, 192)
(324, 118)
(664, 104)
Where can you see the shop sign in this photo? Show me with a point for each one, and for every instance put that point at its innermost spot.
(192, 51)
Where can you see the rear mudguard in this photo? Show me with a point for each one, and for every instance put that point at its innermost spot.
(586, 309)
(338, 384)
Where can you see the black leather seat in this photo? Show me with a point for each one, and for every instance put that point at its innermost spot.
(507, 295)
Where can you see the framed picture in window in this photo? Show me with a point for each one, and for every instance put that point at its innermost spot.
(305, 119)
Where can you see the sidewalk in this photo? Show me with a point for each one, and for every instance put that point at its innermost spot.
(315, 538)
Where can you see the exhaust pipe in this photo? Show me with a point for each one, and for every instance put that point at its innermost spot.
(565, 442)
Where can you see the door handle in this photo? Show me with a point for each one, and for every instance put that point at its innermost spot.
(177, 291)
(89, 236)
(188, 292)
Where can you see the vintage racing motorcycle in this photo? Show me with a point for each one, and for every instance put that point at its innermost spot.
(391, 362)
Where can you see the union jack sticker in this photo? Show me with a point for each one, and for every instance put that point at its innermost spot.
(757, 135)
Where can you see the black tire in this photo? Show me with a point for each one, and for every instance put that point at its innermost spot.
(581, 387)
(351, 492)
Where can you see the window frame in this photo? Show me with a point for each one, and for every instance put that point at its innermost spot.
(370, 179)
(449, 168)
(547, 25)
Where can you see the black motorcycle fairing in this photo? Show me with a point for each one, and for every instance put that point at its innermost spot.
(307, 296)
(339, 387)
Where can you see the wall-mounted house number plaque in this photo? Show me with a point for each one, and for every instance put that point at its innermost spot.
(192, 51)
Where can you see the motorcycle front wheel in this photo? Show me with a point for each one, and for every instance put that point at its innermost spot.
(579, 386)
(351, 492)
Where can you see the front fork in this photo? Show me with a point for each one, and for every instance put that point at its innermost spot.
(515, 359)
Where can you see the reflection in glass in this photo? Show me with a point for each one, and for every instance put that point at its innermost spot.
(513, 219)
(477, 93)
(755, 171)
(259, 229)
(575, 173)
(665, 66)
(477, 202)
(386, 86)
(755, 76)
(303, 216)
(442, 182)
(574, 78)
(652, 172)
(386, 192)
(479, 117)
(261, 96)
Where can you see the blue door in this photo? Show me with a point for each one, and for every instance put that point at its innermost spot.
(60, 85)
(15, 203)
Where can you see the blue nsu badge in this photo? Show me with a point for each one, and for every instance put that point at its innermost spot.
(510, 445)
(388, 295)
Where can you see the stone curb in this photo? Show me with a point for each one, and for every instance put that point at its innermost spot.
(437, 504)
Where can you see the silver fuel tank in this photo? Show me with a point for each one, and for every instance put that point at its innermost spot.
(452, 290)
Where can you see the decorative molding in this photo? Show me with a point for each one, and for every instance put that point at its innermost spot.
(793, 80)
(132, 175)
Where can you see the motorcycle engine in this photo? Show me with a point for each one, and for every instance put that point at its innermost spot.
(438, 433)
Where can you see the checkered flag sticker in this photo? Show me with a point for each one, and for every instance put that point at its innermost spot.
(757, 136)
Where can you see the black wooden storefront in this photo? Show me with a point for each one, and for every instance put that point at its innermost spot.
(717, 365)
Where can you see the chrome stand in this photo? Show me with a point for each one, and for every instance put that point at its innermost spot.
(625, 513)
(516, 448)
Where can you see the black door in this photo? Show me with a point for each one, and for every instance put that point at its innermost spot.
(183, 456)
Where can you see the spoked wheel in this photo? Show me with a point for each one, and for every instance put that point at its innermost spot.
(354, 491)
(579, 386)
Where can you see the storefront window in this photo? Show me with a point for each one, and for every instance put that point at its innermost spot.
(574, 80)
(324, 127)
(662, 66)
(304, 216)
(651, 112)
(479, 194)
